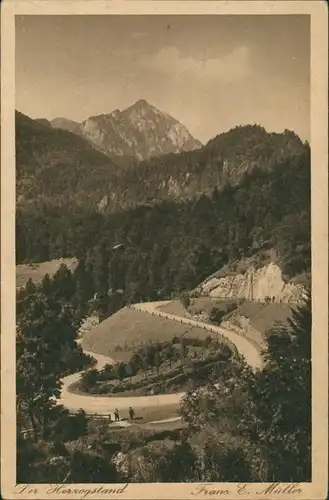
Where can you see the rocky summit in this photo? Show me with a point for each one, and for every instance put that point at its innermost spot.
(140, 131)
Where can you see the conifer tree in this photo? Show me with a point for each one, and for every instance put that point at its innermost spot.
(45, 326)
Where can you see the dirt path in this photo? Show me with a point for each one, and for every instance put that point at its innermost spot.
(103, 405)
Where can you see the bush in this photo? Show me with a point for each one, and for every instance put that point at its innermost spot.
(70, 427)
(217, 313)
(89, 379)
(116, 388)
(75, 360)
(185, 300)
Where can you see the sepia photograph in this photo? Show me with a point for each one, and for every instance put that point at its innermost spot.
(164, 289)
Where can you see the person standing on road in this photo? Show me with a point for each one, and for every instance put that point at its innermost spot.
(131, 413)
(116, 415)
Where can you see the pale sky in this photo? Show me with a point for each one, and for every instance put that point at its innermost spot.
(210, 72)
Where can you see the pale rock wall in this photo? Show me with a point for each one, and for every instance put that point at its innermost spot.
(254, 284)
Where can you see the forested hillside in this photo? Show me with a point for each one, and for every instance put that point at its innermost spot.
(58, 168)
(172, 246)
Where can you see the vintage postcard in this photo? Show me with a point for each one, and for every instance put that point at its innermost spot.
(164, 250)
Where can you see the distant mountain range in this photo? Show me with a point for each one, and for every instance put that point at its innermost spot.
(65, 124)
(56, 166)
(140, 132)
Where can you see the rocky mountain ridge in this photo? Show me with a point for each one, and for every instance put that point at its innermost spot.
(140, 131)
(57, 166)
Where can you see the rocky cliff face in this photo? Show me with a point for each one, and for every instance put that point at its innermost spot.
(140, 131)
(254, 284)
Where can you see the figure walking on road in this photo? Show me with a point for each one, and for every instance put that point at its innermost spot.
(131, 413)
(116, 415)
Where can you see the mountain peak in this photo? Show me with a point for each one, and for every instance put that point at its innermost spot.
(141, 103)
(141, 131)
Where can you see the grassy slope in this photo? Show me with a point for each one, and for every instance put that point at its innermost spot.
(128, 328)
(37, 271)
(262, 316)
(196, 306)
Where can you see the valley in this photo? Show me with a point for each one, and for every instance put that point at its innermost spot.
(162, 277)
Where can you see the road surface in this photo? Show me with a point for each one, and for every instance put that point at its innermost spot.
(103, 405)
(243, 345)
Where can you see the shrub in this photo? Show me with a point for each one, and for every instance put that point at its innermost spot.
(185, 300)
(89, 379)
(217, 313)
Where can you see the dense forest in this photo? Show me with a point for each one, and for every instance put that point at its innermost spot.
(54, 164)
(172, 246)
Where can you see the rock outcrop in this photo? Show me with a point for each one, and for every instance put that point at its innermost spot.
(254, 284)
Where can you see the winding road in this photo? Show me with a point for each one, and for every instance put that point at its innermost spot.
(243, 345)
(103, 405)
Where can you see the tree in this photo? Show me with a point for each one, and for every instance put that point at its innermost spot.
(57, 463)
(281, 399)
(30, 287)
(221, 456)
(44, 328)
(84, 285)
(81, 423)
(108, 369)
(101, 274)
(200, 407)
(136, 362)
(63, 284)
(167, 353)
(183, 350)
(157, 360)
(158, 464)
(47, 285)
(129, 371)
(89, 379)
(213, 413)
(177, 464)
(120, 371)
